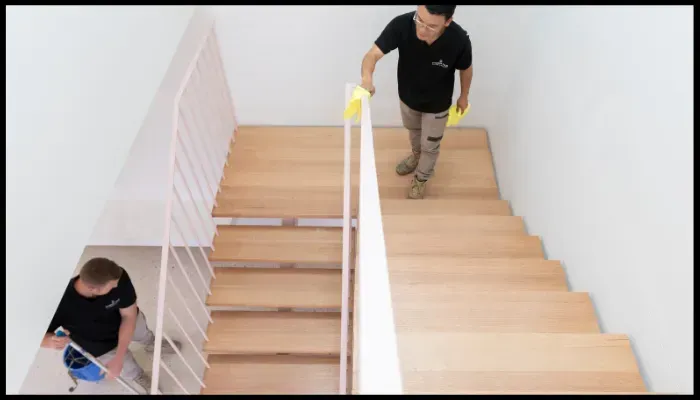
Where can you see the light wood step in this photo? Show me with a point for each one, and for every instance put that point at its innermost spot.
(284, 244)
(458, 225)
(279, 202)
(319, 142)
(517, 362)
(284, 172)
(323, 138)
(457, 274)
(276, 287)
(270, 332)
(445, 207)
(468, 245)
(296, 172)
(418, 309)
(454, 138)
(279, 374)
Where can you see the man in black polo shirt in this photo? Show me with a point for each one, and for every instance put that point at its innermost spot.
(99, 312)
(431, 47)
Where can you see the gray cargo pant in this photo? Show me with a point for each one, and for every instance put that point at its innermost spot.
(425, 132)
(143, 335)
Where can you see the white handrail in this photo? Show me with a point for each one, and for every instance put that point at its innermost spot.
(347, 230)
(377, 361)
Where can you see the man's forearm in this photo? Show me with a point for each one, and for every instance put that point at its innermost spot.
(465, 78)
(368, 64)
(126, 333)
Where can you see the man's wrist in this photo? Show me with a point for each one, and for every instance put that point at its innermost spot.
(120, 355)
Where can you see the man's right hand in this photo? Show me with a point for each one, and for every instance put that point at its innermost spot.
(368, 86)
(51, 341)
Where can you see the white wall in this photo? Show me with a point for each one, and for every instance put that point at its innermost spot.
(294, 70)
(301, 57)
(589, 111)
(594, 149)
(79, 84)
(134, 213)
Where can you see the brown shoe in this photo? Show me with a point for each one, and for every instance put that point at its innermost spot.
(417, 189)
(408, 165)
(144, 382)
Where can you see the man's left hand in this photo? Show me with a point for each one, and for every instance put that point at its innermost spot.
(462, 103)
(114, 366)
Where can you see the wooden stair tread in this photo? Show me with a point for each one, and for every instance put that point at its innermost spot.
(305, 174)
(279, 202)
(556, 351)
(276, 287)
(271, 332)
(417, 309)
(284, 244)
(278, 374)
(535, 382)
(440, 207)
(455, 274)
(284, 172)
(271, 138)
(454, 224)
(469, 245)
(297, 172)
(263, 138)
(523, 362)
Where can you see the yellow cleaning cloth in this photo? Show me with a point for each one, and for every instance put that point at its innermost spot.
(454, 115)
(355, 104)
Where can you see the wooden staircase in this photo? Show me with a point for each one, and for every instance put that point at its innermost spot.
(277, 296)
(477, 307)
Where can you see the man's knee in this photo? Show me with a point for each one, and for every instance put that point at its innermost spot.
(131, 369)
(431, 145)
(412, 126)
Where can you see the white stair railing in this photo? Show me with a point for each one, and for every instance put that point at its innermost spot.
(375, 354)
(347, 232)
(203, 128)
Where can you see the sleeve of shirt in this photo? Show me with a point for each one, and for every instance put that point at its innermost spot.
(58, 315)
(390, 37)
(127, 292)
(464, 61)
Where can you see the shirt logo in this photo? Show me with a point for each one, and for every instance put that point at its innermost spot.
(440, 64)
(112, 304)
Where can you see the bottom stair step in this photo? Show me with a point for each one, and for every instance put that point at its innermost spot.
(281, 374)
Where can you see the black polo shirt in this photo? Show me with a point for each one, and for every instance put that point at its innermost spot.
(426, 73)
(94, 322)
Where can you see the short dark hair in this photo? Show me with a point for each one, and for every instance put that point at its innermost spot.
(445, 11)
(100, 271)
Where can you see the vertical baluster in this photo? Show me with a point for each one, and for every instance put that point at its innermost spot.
(199, 151)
